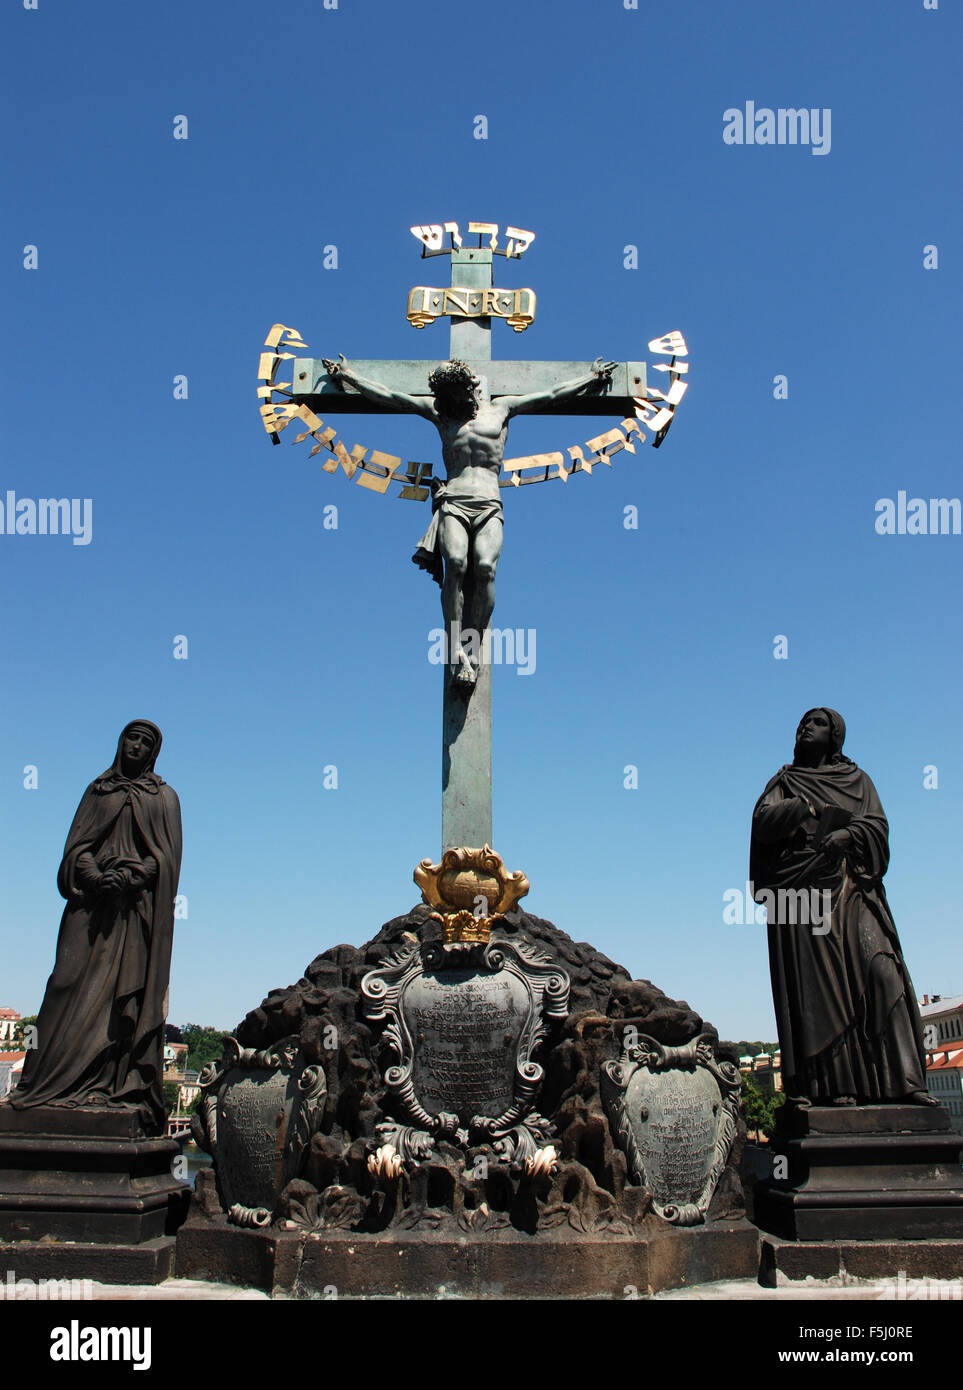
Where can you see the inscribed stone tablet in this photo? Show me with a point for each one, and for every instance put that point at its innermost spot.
(677, 1140)
(253, 1113)
(465, 1026)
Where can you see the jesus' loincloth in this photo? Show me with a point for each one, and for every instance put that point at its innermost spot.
(472, 512)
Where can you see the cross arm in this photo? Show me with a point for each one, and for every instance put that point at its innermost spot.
(595, 381)
(346, 374)
(312, 385)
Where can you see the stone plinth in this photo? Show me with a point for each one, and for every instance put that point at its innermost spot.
(867, 1173)
(91, 1182)
(900, 1266)
(506, 1265)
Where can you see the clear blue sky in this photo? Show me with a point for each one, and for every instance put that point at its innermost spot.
(307, 647)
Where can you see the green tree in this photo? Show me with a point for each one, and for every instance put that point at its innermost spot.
(20, 1027)
(203, 1044)
(755, 1106)
(775, 1100)
(759, 1107)
(170, 1096)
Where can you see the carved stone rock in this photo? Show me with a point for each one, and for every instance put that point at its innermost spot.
(259, 1111)
(675, 1112)
(444, 1185)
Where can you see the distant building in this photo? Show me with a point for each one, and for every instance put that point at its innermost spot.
(943, 1037)
(175, 1060)
(187, 1093)
(9, 1018)
(944, 1077)
(11, 1066)
(765, 1069)
(946, 1015)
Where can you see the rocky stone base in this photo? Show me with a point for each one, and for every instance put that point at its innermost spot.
(591, 1192)
(500, 1265)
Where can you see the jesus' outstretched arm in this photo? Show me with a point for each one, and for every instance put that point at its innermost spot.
(595, 380)
(375, 391)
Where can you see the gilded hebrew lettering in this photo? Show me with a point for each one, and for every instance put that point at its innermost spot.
(672, 343)
(432, 236)
(374, 480)
(482, 227)
(519, 241)
(416, 474)
(291, 336)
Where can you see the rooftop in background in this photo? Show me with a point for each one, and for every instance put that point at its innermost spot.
(945, 1061)
(940, 1004)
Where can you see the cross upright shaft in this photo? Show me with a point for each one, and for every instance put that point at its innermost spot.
(466, 738)
(470, 340)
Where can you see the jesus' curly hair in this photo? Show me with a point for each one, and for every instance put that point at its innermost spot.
(454, 378)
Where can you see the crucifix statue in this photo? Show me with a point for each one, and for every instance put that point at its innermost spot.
(461, 547)
(470, 399)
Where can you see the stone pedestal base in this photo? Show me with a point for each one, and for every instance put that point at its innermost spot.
(868, 1172)
(151, 1262)
(79, 1187)
(503, 1265)
(901, 1266)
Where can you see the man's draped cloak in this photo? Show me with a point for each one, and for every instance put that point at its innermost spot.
(100, 1031)
(846, 1012)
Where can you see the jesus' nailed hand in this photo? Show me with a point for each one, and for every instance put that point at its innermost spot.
(462, 545)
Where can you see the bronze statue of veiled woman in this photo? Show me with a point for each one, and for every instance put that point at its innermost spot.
(849, 1025)
(100, 1031)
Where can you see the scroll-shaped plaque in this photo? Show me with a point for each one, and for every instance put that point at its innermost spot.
(426, 304)
(464, 1023)
(675, 1112)
(258, 1112)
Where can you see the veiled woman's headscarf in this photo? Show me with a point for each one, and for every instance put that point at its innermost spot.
(837, 732)
(146, 780)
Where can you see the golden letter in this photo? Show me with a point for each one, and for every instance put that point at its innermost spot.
(482, 227)
(375, 481)
(431, 235)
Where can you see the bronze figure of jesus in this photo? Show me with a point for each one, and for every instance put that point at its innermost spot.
(461, 547)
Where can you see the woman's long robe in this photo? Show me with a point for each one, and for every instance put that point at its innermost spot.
(846, 1012)
(100, 1031)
